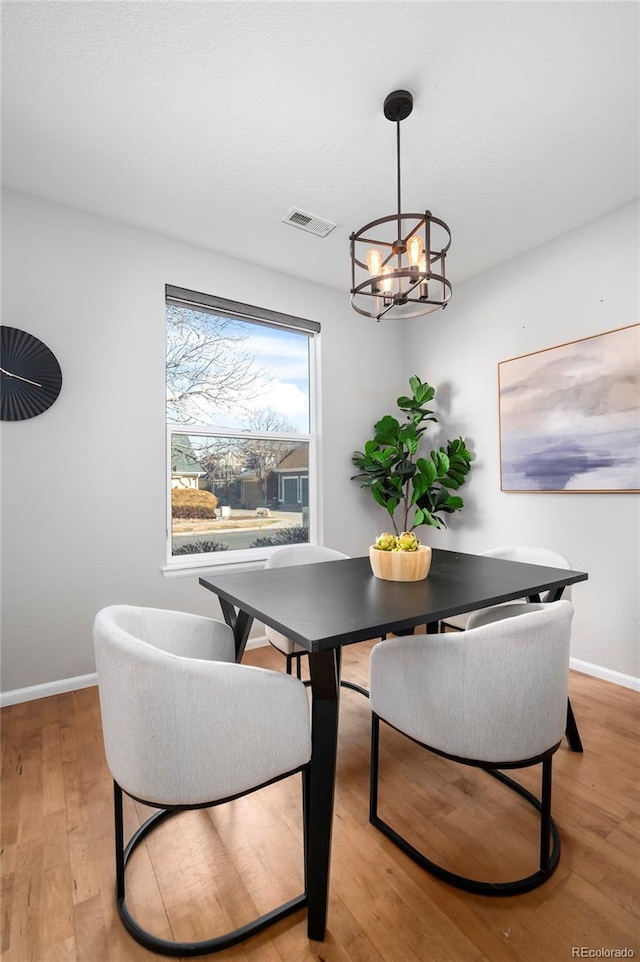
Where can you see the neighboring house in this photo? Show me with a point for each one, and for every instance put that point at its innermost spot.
(288, 484)
(250, 495)
(186, 470)
(240, 491)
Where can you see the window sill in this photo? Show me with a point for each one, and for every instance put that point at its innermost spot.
(206, 567)
(190, 566)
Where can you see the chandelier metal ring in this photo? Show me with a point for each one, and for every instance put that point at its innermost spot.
(356, 236)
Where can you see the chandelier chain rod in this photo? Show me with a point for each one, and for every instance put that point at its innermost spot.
(399, 197)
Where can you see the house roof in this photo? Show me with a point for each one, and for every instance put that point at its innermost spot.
(296, 460)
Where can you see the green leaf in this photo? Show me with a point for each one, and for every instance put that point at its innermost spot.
(405, 469)
(431, 519)
(378, 496)
(440, 499)
(381, 455)
(424, 393)
(415, 383)
(387, 427)
(418, 518)
(428, 469)
(441, 462)
(408, 437)
(457, 476)
(420, 486)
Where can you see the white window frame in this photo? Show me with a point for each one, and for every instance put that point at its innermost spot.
(248, 557)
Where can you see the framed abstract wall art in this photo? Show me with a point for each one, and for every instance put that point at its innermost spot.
(570, 416)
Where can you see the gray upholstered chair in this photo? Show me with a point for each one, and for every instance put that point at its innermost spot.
(525, 554)
(493, 697)
(186, 727)
(533, 556)
(301, 554)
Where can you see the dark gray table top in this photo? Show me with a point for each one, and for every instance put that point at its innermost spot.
(335, 603)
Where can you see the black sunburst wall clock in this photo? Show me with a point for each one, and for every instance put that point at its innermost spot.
(30, 376)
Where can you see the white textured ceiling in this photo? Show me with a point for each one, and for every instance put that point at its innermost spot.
(207, 121)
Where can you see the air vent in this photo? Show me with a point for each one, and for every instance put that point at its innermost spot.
(308, 222)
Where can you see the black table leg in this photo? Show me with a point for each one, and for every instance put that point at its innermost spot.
(325, 686)
(572, 733)
(240, 623)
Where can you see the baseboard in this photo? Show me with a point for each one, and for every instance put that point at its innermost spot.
(606, 674)
(49, 688)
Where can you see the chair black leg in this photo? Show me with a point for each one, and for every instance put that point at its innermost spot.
(545, 815)
(548, 830)
(373, 768)
(305, 824)
(190, 949)
(354, 687)
(119, 840)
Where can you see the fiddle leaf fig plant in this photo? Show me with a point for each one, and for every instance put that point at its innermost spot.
(421, 489)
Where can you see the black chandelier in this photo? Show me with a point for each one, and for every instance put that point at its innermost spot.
(401, 271)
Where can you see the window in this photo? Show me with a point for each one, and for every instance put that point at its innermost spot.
(240, 429)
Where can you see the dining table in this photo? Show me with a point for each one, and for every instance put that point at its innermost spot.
(325, 606)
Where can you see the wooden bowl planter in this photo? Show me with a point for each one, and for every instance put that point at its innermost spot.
(401, 565)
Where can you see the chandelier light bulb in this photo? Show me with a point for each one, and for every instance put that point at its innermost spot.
(374, 266)
(387, 283)
(415, 248)
(374, 262)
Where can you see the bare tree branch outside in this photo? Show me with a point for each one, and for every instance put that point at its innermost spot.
(263, 456)
(210, 370)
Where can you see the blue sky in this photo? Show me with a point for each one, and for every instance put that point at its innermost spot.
(286, 356)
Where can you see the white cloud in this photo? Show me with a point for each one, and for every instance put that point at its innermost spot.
(286, 355)
(288, 400)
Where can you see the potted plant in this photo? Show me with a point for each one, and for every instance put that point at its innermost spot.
(416, 489)
(400, 558)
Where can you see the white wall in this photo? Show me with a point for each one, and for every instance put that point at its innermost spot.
(83, 496)
(582, 283)
(83, 499)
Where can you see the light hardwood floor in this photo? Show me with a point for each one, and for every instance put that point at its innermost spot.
(207, 871)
